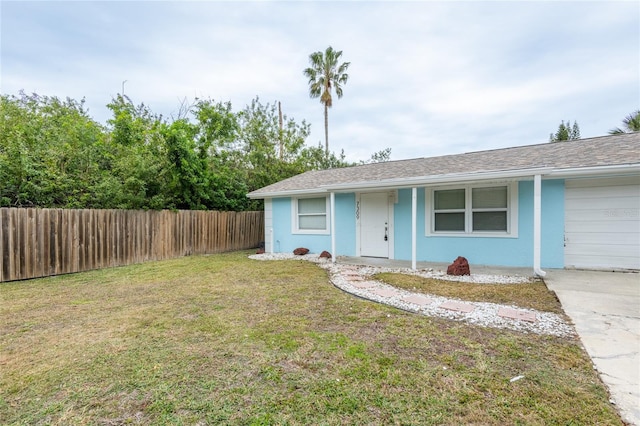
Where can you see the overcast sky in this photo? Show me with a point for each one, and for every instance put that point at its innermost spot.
(426, 78)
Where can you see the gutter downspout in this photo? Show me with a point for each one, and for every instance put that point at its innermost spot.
(537, 225)
(414, 215)
(332, 204)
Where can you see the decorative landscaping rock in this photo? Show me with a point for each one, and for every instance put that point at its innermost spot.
(460, 266)
(325, 254)
(301, 251)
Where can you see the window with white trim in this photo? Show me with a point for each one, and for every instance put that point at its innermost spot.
(310, 215)
(473, 210)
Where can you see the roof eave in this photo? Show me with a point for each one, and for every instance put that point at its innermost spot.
(454, 178)
(437, 179)
(593, 171)
(290, 193)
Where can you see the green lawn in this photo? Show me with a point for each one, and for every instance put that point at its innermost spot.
(223, 339)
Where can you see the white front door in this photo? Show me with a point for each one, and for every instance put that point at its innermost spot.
(374, 225)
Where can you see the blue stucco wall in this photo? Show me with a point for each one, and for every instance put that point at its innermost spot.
(552, 223)
(478, 250)
(346, 224)
(491, 250)
(285, 242)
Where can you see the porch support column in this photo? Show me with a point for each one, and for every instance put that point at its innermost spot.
(332, 203)
(537, 225)
(414, 227)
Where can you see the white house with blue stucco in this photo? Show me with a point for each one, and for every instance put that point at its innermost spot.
(573, 204)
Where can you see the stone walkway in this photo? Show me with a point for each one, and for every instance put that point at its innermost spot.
(357, 280)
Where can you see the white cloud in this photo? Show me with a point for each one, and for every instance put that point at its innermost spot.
(427, 78)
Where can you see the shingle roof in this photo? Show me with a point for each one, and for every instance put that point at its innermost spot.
(614, 150)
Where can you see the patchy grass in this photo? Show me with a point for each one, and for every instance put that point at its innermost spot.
(533, 295)
(226, 340)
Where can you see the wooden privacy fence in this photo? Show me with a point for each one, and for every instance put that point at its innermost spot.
(42, 242)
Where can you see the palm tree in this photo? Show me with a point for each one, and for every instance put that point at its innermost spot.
(631, 124)
(324, 74)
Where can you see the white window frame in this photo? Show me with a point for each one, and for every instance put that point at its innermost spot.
(512, 211)
(295, 228)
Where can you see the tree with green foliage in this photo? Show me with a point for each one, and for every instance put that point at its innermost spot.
(631, 124)
(135, 164)
(189, 185)
(217, 136)
(49, 152)
(315, 158)
(379, 157)
(217, 126)
(565, 132)
(269, 152)
(325, 75)
(52, 154)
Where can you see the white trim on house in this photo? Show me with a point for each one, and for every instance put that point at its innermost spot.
(268, 225)
(332, 202)
(537, 225)
(455, 178)
(593, 171)
(292, 193)
(414, 227)
(435, 180)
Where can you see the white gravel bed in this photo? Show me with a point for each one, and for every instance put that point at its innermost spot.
(441, 275)
(427, 273)
(484, 314)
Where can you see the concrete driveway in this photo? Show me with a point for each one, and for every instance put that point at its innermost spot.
(605, 309)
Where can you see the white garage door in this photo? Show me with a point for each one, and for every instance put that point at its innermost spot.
(602, 223)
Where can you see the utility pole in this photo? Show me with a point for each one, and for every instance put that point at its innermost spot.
(123, 87)
(280, 120)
